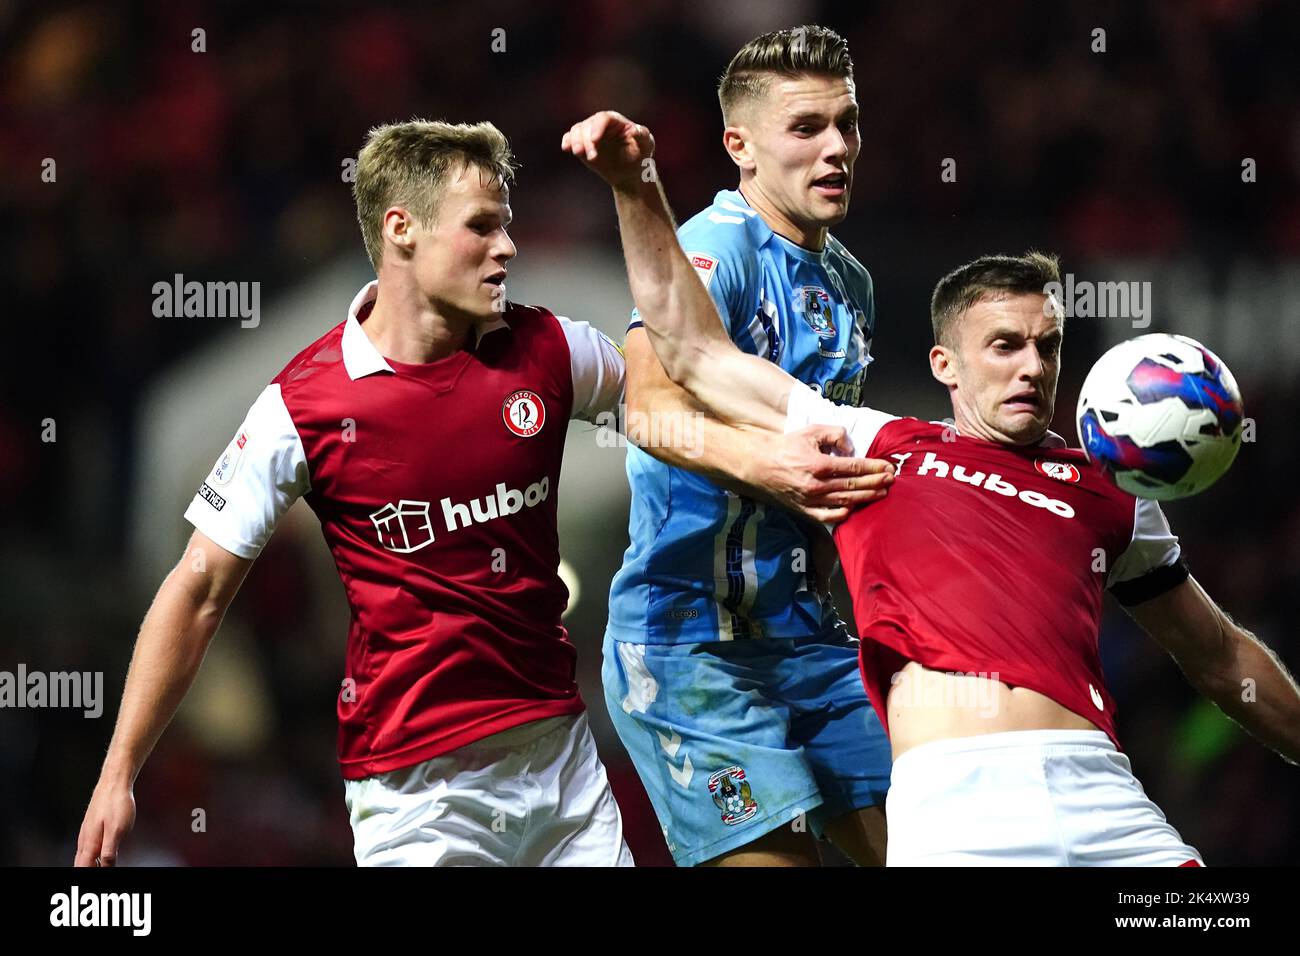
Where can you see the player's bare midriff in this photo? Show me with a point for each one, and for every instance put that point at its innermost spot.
(926, 705)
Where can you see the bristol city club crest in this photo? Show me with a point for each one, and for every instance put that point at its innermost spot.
(733, 795)
(1060, 470)
(524, 413)
(815, 305)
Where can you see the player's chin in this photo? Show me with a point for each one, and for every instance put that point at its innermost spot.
(828, 212)
(1024, 427)
(489, 304)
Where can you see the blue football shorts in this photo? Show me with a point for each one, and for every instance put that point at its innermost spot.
(733, 739)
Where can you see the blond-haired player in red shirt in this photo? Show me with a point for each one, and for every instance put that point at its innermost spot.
(426, 432)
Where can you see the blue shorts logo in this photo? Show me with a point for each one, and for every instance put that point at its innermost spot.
(733, 795)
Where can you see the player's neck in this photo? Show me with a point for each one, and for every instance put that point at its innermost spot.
(970, 426)
(973, 428)
(813, 240)
(404, 327)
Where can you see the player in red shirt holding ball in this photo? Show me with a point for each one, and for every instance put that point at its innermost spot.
(978, 581)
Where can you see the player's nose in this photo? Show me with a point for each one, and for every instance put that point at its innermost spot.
(837, 148)
(1033, 366)
(505, 249)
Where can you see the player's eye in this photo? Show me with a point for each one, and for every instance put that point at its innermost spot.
(849, 126)
(803, 129)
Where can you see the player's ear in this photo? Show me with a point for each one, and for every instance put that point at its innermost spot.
(735, 140)
(943, 366)
(398, 226)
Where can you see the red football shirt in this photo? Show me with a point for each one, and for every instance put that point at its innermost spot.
(436, 489)
(991, 559)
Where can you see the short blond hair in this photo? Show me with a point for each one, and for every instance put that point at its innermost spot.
(408, 164)
(789, 53)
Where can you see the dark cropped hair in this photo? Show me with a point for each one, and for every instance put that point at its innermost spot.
(790, 53)
(988, 277)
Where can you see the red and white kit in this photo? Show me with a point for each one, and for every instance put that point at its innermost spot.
(991, 560)
(436, 489)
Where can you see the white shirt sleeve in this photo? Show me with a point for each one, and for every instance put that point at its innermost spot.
(598, 370)
(807, 407)
(260, 474)
(1152, 546)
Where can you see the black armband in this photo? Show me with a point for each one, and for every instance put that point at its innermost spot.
(1151, 585)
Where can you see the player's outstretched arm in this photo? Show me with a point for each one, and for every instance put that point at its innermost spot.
(173, 639)
(676, 309)
(1227, 664)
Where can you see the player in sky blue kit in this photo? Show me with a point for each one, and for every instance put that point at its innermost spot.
(812, 314)
(728, 673)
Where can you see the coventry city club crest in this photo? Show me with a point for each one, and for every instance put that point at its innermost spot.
(733, 795)
(815, 305)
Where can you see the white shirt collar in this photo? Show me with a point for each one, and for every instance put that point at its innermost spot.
(361, 358)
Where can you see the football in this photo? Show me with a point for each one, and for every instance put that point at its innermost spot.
(1162, 414)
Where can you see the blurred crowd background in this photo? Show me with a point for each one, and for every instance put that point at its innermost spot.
(226, 165)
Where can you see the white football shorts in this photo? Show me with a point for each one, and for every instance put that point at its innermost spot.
(1025, 798)
(532, 795)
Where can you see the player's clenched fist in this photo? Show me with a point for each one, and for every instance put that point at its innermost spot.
(618, 149)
